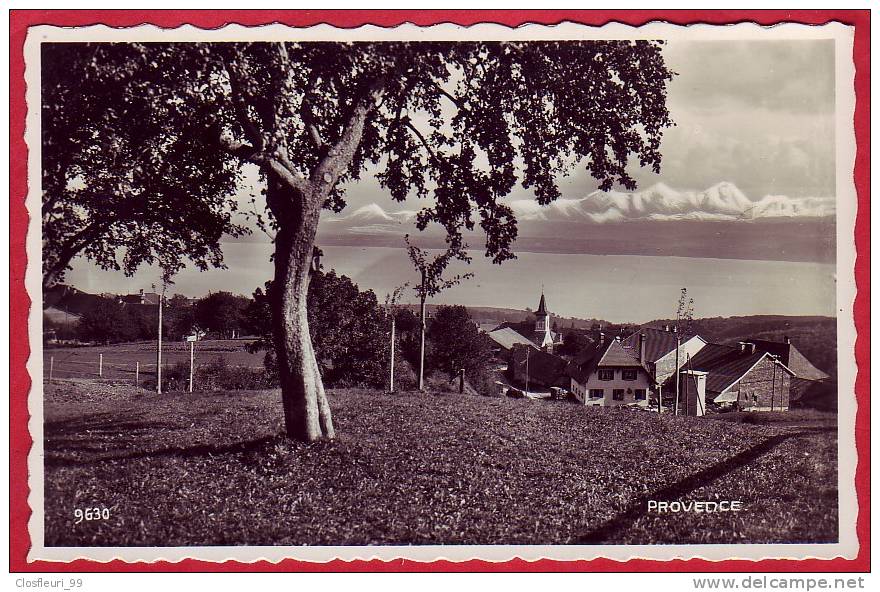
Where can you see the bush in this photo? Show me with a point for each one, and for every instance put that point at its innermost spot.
(405, 378)
(216, 375)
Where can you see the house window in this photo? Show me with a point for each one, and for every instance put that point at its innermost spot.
(606, 374)
(641, 394)
(597, 393)
(618, 394)
(630, 374)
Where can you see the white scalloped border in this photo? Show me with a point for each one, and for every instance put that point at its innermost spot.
(846, 548)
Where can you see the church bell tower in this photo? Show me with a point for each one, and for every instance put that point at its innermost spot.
(543, 335)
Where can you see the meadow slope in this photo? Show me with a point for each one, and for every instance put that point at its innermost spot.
(213, 469)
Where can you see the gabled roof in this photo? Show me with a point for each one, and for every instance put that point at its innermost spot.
(143, 298)
(615, 355)
(658, 342)
(726, 365)
(507, 338)
(789, 355)
(526, 329)
(610, 354)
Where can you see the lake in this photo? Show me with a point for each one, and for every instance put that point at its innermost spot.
(617, 288)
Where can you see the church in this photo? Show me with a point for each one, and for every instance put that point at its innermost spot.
(538, 333)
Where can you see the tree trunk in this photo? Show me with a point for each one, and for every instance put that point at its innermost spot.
(306, 410)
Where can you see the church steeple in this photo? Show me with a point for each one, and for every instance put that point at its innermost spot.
(543, 335)
(542, 306)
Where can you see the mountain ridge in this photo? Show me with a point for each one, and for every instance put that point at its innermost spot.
(723, 201)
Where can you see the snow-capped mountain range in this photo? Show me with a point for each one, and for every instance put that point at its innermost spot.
(723, 201)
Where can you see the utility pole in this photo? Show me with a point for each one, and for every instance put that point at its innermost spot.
(100, 365)
(192, 345)
(159, 348)
(528, 351)
(422, 297)
(685, 312)
(393, 339)
(677, 375)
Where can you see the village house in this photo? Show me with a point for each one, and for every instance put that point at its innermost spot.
(806, 374)
(505, 339)
(655, 348)
(533, 369)
(150, 298)
(609, 375)
(741, 376)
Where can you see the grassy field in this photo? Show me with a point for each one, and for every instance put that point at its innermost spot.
(119, 359)
(212, 469)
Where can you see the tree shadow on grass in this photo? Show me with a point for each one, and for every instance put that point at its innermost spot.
(97, 438)
(605, 532)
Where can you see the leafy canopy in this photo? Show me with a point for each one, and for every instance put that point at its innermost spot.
(450, 122)
(127, 176)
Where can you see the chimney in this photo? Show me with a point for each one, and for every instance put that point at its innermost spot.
(601, 338)
(786, 339)
(746, 347)
(642, 348)
(675, 328)
(666, 328)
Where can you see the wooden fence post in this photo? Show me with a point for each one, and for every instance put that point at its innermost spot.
(137, 374)
(51, 367)
(100, 365)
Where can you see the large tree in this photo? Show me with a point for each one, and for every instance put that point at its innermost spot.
(459, 123)
(222, 312)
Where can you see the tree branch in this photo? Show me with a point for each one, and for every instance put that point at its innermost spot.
(315, 135)
(277, 163)
(453, 99)
(421, 138)
(241, 111)
(341, 153)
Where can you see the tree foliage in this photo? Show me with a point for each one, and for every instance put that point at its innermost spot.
(129, 176)
(222, 313)
(157, 132)
(457, 342)
(349, 329)
(109, 321)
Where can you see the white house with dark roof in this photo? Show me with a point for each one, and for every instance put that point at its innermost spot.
(608, 375)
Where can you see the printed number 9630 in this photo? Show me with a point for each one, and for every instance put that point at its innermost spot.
(91, 514)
